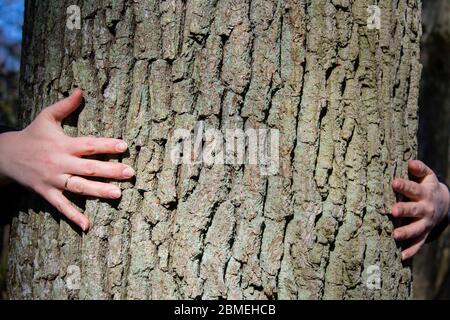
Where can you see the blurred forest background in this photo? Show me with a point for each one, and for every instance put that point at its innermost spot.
(11, 20)
(431, 266)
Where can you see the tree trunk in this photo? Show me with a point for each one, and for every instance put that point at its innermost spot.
(342, 95)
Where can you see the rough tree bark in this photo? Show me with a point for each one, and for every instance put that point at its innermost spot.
(343, 96)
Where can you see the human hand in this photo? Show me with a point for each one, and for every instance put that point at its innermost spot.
(428, 206)
(44, 159)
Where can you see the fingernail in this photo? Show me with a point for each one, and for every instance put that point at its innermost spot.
(86, 226)
(115, 193)
(128, 172)
(396, 211)
(121, 146)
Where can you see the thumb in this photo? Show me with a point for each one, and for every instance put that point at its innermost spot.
(62, 109)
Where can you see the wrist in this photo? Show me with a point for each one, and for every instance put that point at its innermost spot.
(6, 139)
(442, 220)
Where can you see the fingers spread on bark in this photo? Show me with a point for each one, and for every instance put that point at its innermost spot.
(410, 231)
(89, 146)
(87, 187)
(414, 247)
(59, 201)
(62, 109)
(409, 209)
(95, 168)
(408, 188)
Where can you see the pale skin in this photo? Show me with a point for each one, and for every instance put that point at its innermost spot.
(42, 158)
(428, 204)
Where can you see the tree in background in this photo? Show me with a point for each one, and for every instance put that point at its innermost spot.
(343, 96)
(431, 266)
(11, 16)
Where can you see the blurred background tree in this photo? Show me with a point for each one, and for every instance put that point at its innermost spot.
(432, 264)
(11, 17)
